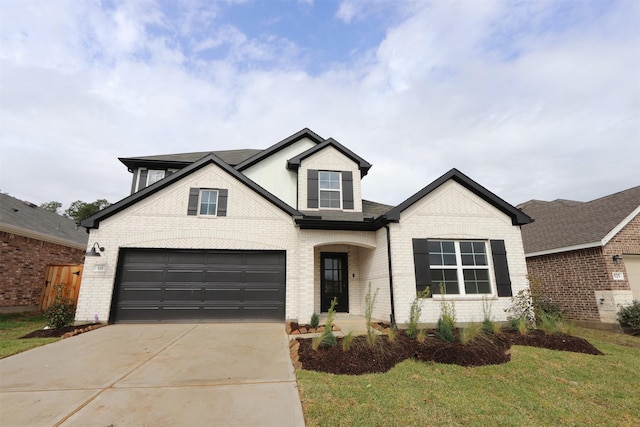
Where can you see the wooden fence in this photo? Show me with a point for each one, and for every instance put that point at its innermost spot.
(66, 277)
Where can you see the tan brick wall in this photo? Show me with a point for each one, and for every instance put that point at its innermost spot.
(23, 262)
(572, 279)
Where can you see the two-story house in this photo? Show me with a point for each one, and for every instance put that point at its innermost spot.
(276, 234)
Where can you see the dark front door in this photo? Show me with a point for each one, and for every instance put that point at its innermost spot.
(334, 282)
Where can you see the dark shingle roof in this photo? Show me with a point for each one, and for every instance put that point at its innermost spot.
(567, 223)
(19, 216)
(230, 157)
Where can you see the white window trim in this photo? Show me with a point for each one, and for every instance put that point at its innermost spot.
(164, 174)
(460, 272)
(339, 190)
(200, 214)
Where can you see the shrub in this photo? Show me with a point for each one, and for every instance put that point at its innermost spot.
(421, 336)
(522, 308)
(393, 333)
(315, 321)
(328, 338)
(629, 317)
(369, 303)
(542, 305)
(488, 326)
(62, 312)
(415, 312)
(548, 323)
(447, 321)
(520, 325)
(346, 341)
(470, 333)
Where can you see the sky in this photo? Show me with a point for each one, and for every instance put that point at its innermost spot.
(531, 99)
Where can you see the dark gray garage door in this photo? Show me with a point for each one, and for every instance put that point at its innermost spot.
(199, 286)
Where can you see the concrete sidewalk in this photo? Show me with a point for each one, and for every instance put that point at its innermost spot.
(231, 374)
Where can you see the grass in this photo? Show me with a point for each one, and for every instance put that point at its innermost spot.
(538, 387)
(15, 325)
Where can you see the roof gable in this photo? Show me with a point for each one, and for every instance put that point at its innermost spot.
(517, 217)
(94, 221)
(363, 165)
(562, 225)
(304, 133)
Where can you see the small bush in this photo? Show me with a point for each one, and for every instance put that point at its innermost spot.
(629, 317)
(447, 321)
(415, 312)
(520, 325)
(393, 333)
(346, 341)
(421, 336)
(522, 308)
(488, 326)
(315, 320)
(369, 303)
(566, 328)
(444, 330)
(327, 338)
(470, 333)
(548, 323)
(62, 312)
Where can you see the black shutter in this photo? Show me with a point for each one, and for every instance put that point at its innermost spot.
(347, 190)
(222, 202)
(312, 189)
(503, 280)
(421, 264)
(194, 195)
(142, 181)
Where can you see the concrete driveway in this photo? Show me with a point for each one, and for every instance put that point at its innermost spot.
(155, 375)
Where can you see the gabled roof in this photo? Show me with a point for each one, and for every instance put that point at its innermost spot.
(363, 165)
(94, 221)
(180, 160)
(517, 217)
(304, 133)
(26, 219)
(563, 225)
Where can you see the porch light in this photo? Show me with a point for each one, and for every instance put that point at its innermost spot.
(617, 258)
(93, 251)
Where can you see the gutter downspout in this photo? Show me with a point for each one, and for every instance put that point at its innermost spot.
(393, 313)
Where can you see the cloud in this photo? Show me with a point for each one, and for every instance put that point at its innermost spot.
(533, 100)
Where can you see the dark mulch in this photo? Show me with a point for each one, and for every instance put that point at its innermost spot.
(384, 355)
(58, 332)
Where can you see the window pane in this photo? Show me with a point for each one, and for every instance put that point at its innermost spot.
(449, 259)
(329, 180)
(154, 176)
(448, 278)
(448, 247)
(476, 281)
(208, 202)
(330, 199)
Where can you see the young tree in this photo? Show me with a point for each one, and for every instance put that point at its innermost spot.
(51, 206)
(80, 210)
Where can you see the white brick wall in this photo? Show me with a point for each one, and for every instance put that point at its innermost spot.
(453, 212)
(332, 160)
(161, 221)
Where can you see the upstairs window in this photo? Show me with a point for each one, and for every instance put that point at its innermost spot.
(208, 202)
(461, 266)
(330, 189)
(154, 175)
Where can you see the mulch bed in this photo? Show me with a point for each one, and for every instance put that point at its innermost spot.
(384, 355)
(65, 332)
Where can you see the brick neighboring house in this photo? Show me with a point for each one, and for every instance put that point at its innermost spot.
(33, 238)
(587, 254)
(276, 234)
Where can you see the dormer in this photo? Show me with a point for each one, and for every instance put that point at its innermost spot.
(329, 178)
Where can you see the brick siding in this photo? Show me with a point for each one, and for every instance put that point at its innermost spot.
(23, 263)
(570, 279)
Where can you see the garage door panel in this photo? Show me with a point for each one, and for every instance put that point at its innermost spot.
(224, 276)
(203, 285)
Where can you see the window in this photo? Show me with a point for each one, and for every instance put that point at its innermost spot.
(330, 189)
(461, 266)
(208, 202)
(154, 176)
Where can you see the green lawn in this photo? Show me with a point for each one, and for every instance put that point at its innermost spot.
(538, 387)
(15, 325)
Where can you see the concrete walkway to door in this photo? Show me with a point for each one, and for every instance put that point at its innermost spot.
(235, 374)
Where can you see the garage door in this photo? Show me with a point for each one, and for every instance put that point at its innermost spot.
(199, 286)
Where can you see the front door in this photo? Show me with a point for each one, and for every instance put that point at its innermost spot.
(334, 282)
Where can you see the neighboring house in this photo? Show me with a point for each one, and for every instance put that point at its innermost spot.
(33, 238)
(278, 233)
(586, 254)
